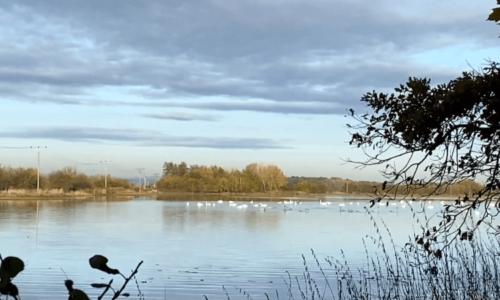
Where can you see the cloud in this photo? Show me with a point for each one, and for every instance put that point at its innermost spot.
(290, 54)
(181, 117)
(315, 108)
(140, 138)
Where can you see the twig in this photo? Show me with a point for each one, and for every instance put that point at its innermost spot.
(117, 294)
(141, 296)
(105, 290)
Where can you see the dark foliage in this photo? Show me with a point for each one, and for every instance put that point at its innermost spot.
(442, 135)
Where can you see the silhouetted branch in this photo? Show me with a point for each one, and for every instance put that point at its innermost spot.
(117, 294)
(105, 290)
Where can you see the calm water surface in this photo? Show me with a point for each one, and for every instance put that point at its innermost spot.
(188, 250)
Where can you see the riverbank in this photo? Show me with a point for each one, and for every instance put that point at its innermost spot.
(273, 196)
(25, 194)
(176, 196)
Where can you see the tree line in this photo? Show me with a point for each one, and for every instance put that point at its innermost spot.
(68, 179)
(321, 185)
(253, 178)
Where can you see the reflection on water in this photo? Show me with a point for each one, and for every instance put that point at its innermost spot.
(188, 250)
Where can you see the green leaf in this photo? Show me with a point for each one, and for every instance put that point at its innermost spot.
(11, 266)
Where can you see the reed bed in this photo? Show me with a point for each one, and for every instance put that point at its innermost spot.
(467, 270)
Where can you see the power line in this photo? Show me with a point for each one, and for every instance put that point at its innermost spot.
(74, 161)
(57, 155)
(7, 147)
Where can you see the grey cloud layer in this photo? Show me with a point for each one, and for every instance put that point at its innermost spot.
(181, 117)
(288, 53)
(139, 138)
(313, 108)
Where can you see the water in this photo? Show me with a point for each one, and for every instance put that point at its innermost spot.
(188, 250)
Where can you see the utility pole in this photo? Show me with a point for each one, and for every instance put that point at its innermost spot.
(105, 172)
(156, 176)
(140, 172)
(38, 169)
(38, 174)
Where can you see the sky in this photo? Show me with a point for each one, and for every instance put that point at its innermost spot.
(222, 82)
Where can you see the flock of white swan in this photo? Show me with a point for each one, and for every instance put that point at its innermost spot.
(262, 206)
(231, 203)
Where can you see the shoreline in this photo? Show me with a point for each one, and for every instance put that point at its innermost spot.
(177, 196)
(59, 195)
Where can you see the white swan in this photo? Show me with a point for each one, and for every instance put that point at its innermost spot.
(199, 204)
(187, 203)
(220, 201)
(262, 205)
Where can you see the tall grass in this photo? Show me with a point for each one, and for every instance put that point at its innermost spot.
(467, 270)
